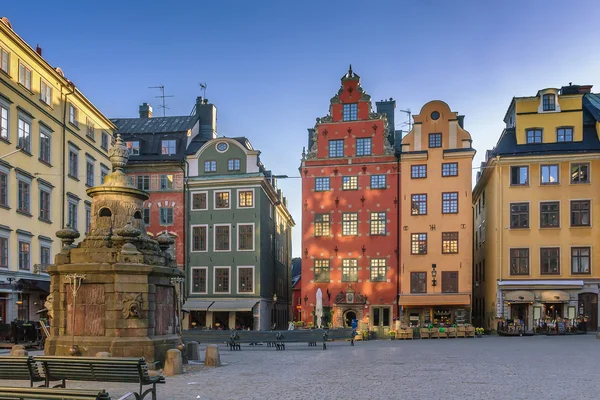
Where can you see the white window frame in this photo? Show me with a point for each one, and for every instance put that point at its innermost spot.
(25, 239)
(192, 280)
(26, 120)
(214, 235)
(3, 51)
(45, 92)
(47, 189)
(92, 162)
(192, 201)
(72, 149)
(25, 179)
(46, 132)
(26, 68)
(238, 198)
(73, 115)
(6, 171)
(207, 237)
(215, 192)
(5, 106)
(6, 235)
(253, 236)
(103, 135)
(215, 278)
(237, 275)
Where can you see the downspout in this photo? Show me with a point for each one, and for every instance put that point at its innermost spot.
(185, 170)
(499, 204)
(64, 153)
(398, 306)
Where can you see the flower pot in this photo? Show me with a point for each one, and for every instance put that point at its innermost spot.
(479, 335)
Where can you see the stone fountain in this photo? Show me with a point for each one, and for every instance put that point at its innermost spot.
(115, 291)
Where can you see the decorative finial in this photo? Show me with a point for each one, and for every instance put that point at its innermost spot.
(350, 71)
(118, 154)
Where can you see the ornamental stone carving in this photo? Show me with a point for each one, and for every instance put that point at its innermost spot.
(118, 154)
(48, 305)
(132, 306)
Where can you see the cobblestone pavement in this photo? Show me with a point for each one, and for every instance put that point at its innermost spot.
(487, 368)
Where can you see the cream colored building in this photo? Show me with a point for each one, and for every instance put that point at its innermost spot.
(53, 146)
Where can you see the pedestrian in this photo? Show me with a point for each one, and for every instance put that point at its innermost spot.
(291, 326)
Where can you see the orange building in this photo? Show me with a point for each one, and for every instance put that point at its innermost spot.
(350, 212)
(436, 243)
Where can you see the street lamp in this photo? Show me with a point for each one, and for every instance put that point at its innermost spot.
(433, 275)
(274, 320)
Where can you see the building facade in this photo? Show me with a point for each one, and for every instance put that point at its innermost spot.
(350, 212)
(53, 146)
(157, 148)
(436, 250)
(239, 239)
(537, 218)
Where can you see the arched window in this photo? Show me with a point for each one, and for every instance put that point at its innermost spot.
(105, 212)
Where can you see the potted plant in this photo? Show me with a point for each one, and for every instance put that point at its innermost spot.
(479, 332)
(392, 335)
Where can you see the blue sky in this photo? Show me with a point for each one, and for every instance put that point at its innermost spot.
(272, 66)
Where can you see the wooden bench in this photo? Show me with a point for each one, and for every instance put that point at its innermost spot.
(236, 338)
(311, 336)
(424, 333)
(20, 369)
(451, 332)
(122, 370)
(470, 331)
(344, 334)
(18, 393)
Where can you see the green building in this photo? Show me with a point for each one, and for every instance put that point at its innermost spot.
(239, 251)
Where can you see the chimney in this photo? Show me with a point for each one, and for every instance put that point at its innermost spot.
(38, 50)
(207, 114)
(145, 111)
(461, 121)
(387, 107)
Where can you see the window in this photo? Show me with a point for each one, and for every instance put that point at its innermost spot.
(143, 182)
(24, 197)
(45, 146)
(221, 199)
(199, 235)
(45, 205)
(519, 176)
(519, 215)
(449, 169)
(350, 224)
(89, 173)
(378, 220)
(3, 189)
(147, 216)
(449, 242)
(580, 173)
(363, 147)
(418, 171)
(519, 261)
(221, 280)
(350, 112)
(449, 282)
(88, 218)
(198, 280)
(435, 140)
(166, 182)
(336, 148)
(378, 269)
(73, 163)
(90, 129)
(550, 214)
(133, 147)
(73, 115)
(25, 76)
(103, 173)
(564, 134)
(233, 164)
(45, 256)
(46, 93)
(350, 270)
(166, 216)
(24, 132)
(104, 140)
(550, 261)
(246, 280)
(322, 225)
(24, 255)
(210, 166)
(3, 252)
(199, 201)
(580, 260)
(580, 213)
(168, 147)
(418, 243)
(246, 198)
(245, 237)
(418, 282)
(321, 270)
(4, 60)
(4, 122)
(418, 204)
(321, 184)
(450, 203)
(378, 182)
(222, 238)
(349, 182)
(549, 174)
(548, 102)
(72, 215)
(534, 135)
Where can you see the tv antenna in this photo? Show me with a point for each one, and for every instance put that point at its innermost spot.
(203, 87)
(409, 123)
(162, 96)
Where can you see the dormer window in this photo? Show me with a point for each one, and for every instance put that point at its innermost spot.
(351, 112)
(534, 136)
(549, 102)
(564, 134)
(168, 147)
(134, 148)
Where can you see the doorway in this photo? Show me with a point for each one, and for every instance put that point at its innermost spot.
(554, 311)
(348, 318)
(588, 305)
(520, 312)
(381, 321)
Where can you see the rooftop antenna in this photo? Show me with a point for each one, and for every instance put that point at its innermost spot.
(162, 96)
(407, 111)
(203, 86)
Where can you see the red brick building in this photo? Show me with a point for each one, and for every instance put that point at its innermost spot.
(350, 212)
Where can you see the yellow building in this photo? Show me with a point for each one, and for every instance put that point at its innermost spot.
(537, 214)
(436, 245)
(53, 146)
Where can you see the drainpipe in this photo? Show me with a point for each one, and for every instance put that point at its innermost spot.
(64, 153)
(185, 168)
(398, 238)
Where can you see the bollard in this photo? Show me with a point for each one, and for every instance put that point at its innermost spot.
(173, 363)
(103, 354)
(212, 357)
(193, 351)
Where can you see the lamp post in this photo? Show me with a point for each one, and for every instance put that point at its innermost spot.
(433, 275)
(274, 320)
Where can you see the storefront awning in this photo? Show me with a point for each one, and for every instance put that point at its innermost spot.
(437, 299)
(519, 296)
(220, 305)
(34, 284)
(555, 296)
